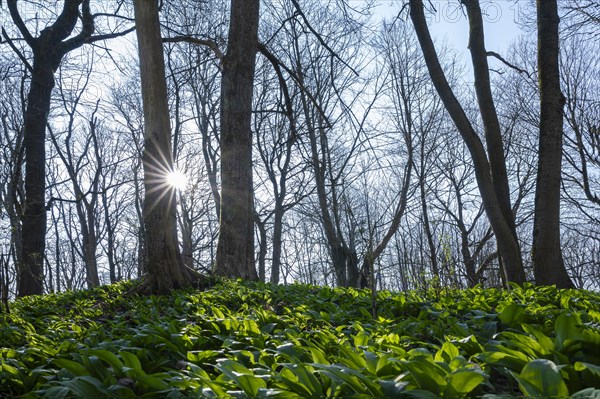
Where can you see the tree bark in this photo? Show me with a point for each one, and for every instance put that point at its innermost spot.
(31, 276)
(506, 239)
(235, 248)
(548, 265)
(164, 264)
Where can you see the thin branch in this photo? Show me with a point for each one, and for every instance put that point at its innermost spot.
(508, 64)
(319, 38)
(16, 17)
(201, 42)
(17, 51)
(272, 58)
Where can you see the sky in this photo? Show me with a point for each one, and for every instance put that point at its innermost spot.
(449, 23)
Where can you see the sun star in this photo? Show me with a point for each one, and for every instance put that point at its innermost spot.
(177, 180)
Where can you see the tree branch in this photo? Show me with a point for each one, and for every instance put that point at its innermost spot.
(319, 38)
(201, 42)
(508, 64)
(17, 51)
(16, 17)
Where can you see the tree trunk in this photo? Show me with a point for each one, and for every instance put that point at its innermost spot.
(277, 241)
(31, 273)
(86, 217)
(110, 239)
(262, 249)
(235, 249)
(164, 265)
(548, 265)
(427, 223)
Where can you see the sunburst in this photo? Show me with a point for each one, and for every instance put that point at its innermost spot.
(162, 180)
(177, 179)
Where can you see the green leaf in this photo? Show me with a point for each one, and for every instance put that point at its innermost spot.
(357, 381)
(131, 361)
(77, 369)
(250, 384)
(505, 357)
(351, 358)
(217, 312)
(56, 392)
(393, 389)
(318, 356)
(427, 375)
(305, 376)
(447, 352)
(289, 379)
(462, 382)
(420, 394)
(290, 352)
(202, 356)
(361, 339)
(595, 369)
(152, 381)
(541, 377)
(566, 327)
(546, 344)
(86, 387)
(588, 393)
(109, 358)
(9, 369)
(512, 313)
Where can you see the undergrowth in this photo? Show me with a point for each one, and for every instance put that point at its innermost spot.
(242, 339)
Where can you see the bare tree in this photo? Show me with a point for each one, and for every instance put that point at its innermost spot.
(12, 105)
(280, 166)
(48, 48)
(490, 167)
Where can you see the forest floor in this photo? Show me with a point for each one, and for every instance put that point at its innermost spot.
(242, 339)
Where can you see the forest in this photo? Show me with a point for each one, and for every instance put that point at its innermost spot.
(298, 199)
(286, 141)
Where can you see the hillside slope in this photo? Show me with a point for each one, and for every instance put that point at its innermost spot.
(240, 339)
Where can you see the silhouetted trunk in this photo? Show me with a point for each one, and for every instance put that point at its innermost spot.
(31, 273)
(235, 249)
(110, 241)
(87, 219)
(277, 241)
(164, 264)
(548, 265)
(262, 249)
(427, 226)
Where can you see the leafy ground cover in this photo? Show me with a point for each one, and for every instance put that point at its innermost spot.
(240, 339)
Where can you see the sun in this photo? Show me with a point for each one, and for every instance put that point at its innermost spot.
(177, 179)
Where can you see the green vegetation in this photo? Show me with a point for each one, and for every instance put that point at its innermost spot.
(244, 339)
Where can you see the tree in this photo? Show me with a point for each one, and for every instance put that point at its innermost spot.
(49, 48)
(164, 264)
(12, 105)
(490, 167)
(235, 249)
(85, 198)
(548, 265)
